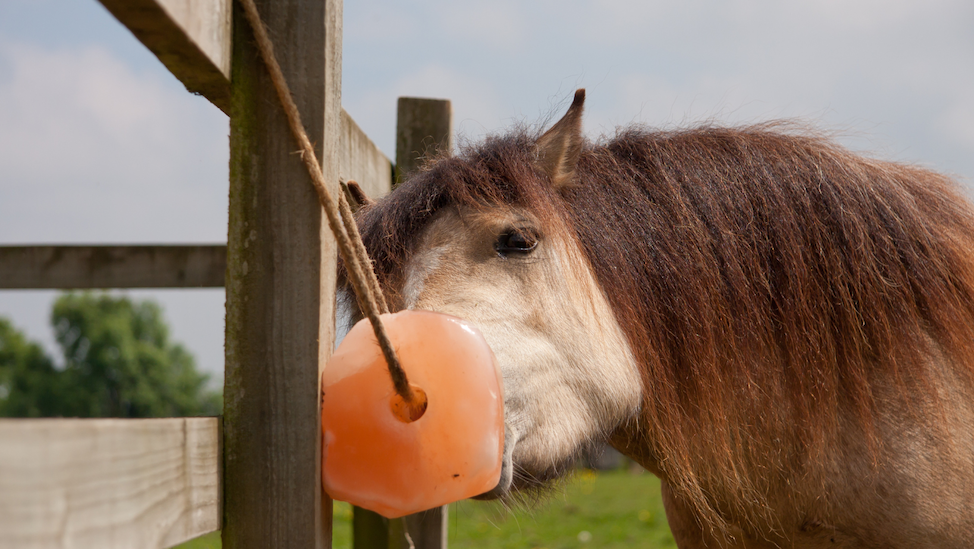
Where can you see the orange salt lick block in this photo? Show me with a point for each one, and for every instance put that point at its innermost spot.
(373, 455)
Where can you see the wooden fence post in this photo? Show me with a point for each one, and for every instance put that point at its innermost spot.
(190, 37)
(423, 128)
(370, 530)
(280, 281)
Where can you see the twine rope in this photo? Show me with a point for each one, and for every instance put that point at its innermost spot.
(351, 228)
(339, 214)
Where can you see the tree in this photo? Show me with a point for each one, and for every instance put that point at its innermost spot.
(29, 384)
(118, 362)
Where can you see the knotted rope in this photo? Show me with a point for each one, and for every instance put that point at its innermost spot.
(339, 214)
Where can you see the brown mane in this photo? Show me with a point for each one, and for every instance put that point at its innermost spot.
(765, 279)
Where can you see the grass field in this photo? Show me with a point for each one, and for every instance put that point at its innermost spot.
(614, 509)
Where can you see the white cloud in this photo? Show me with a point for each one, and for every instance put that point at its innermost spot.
(872, 15)
(895, 76)
(114, 154)
(498, 25)
(957, 121)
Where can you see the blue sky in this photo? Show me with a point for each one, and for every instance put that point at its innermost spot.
(100, 144)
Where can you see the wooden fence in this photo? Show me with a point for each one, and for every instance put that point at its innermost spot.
(255, 474)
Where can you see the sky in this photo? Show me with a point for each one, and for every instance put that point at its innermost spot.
(99, 144)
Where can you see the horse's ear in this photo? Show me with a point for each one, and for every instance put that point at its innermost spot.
(560, 147)
(357, 194)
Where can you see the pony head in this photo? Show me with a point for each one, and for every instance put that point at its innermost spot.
(482, 238)
(735, 308)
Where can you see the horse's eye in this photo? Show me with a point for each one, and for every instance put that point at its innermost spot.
(515, 241)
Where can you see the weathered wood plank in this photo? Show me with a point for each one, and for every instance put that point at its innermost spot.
(75, 267)
(280, 281)
(106, 483)
(370, 530)
(427, 530)
(190, 37)
(362, 161)
(424, 127)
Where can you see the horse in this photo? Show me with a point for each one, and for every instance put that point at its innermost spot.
(781, 330)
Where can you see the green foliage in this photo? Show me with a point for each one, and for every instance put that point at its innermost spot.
(118, 362)
(29, 384)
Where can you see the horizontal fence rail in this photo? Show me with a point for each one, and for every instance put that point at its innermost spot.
(168, 266)
(81, 267)
(190, 37)
(361, 160)
(108, 483)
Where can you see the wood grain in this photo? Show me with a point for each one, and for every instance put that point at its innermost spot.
(190, 37)
(280, 281)
(427, 530)
(75, 267)
(362, 161)
(424, 127)
(107, 483)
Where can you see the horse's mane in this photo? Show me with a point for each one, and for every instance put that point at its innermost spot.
(766, 280)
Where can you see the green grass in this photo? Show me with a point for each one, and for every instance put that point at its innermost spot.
(209, 541)
(608, 510)
(615, 509)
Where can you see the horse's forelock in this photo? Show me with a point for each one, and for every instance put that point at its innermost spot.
(499, 172)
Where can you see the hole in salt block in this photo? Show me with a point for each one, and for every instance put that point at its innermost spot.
(408, 412)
